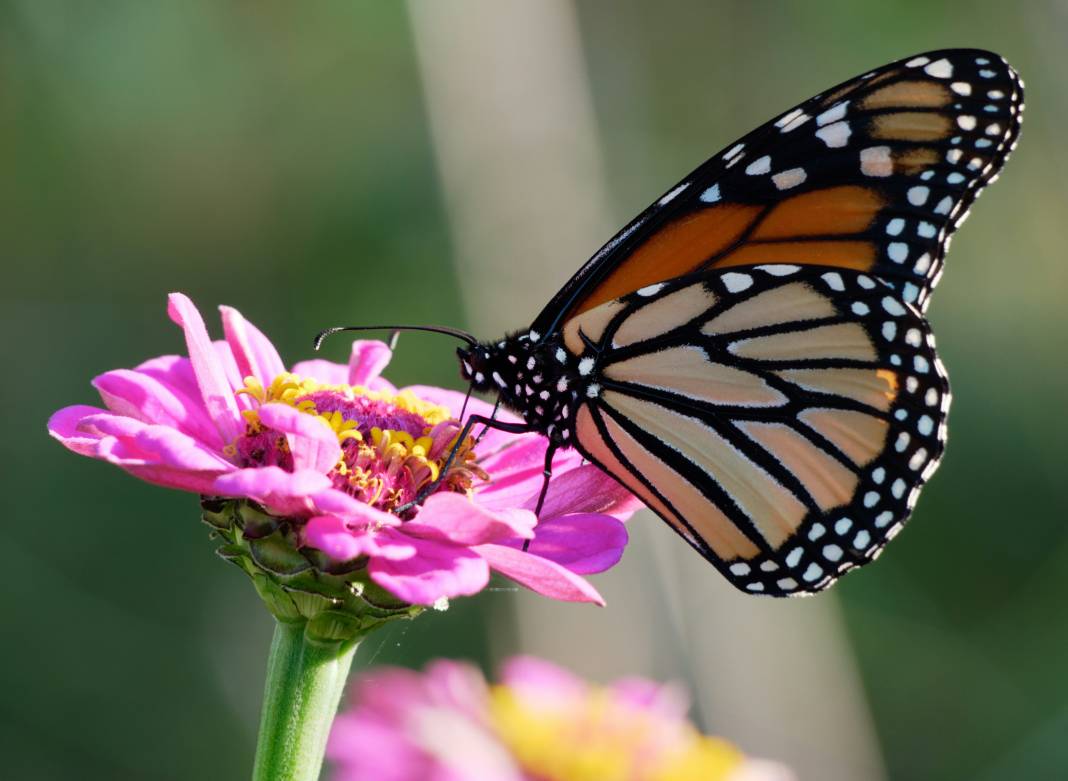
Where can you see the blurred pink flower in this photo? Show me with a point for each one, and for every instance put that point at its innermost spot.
(337, 449)
(540, 723)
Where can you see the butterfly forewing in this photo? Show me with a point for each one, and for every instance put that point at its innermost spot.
(873, 175)
(780, 418)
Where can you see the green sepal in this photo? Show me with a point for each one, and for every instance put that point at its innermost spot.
(338, 600)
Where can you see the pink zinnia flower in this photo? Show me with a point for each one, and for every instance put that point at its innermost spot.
(541, 723)
(334, 451)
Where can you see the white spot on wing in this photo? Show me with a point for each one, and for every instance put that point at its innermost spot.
(733, 151)
(779, 269)
(876, 161)
(893, 306)
(711, 195)
(736, 282)
(940, 69)
(669, 197)
(796, 122)
(786, 119)
(761, 165)
(784, 180)
(833, 114)
(836, 135)
(834, 281)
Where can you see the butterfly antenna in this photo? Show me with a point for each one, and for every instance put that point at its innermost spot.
(396, 329)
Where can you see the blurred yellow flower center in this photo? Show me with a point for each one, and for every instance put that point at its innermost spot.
(596, 737)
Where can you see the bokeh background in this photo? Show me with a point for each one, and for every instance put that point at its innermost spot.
(358, 161)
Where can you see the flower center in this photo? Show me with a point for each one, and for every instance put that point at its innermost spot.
(392, 445)
(597, 738)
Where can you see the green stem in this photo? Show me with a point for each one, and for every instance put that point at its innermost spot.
(305, 679)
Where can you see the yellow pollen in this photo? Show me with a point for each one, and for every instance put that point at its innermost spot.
(369, 463)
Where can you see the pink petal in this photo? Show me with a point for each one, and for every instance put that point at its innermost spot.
(368, 360)
(324, 371)
(540, 575)
(232, 373)
(76, 429)
(311, 440)
(439, 569)
(536, 677)
(518, 473)
(176, 372)
(150, 444)
(586, 489)
(458, 685)
(667, 701)
(392, 692)
(330, 535)
(215, 388)
(453, 517)
(254, 353)
(583, 542)
(63, 426)
(368, 749)
(354, 512)
(285, 493)
(141, 396)
(180, 479)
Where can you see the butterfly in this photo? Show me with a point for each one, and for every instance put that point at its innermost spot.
(749, 355)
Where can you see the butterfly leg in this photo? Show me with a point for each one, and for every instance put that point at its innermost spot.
(547, 472)
(469, 424)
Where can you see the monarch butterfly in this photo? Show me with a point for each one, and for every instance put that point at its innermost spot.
(749, 355)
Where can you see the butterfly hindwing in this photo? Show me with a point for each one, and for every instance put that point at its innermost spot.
(781, 418)
(873, 175)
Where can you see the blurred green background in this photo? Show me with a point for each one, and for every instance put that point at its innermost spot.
(278, 157)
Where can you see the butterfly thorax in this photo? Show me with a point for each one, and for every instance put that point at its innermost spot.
(531, 378)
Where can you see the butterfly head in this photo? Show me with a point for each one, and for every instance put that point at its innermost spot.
(496, 366)
(475, 366)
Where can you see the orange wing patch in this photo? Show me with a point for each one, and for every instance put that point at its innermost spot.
(911, 126)
(831, 211)
(920, 94)
(677, 248)
(856, 255)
